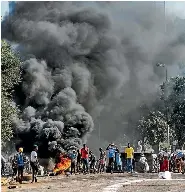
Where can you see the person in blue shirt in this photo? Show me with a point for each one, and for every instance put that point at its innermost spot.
(111, 154)
(20, 164)
(73, 157)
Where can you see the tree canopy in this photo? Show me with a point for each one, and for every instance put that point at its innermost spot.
(10, 76)
(153, 125)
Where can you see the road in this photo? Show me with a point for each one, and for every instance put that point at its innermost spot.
(105, 183)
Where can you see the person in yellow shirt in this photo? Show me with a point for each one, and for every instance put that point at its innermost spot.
(129, 151)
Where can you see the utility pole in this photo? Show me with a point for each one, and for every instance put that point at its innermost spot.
(165, 95)
(168, 134)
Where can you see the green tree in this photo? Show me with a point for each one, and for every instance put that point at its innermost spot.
(10, 76)
(153, 128)
(176, 103)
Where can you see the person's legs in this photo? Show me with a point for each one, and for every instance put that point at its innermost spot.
(78, 166)
(129, 165)
(83, 163)
(132, 165)
(33, 171)
(87, 165)
(20, 174)
(72, 167)
(22, 169)
(36, 172)
(111, 164)
(2, 169)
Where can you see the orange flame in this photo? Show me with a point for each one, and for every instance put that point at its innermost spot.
(63, 165)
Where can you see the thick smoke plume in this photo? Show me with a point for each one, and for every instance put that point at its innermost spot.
(84, 60)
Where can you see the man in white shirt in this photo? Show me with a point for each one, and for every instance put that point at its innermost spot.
(34, 163)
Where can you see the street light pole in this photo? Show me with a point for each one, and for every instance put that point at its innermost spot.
(165, 87)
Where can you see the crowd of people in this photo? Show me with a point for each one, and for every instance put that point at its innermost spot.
(113, 160)
(109, 160)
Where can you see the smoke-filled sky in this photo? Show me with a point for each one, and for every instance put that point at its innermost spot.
(173, 7)
(89, 64)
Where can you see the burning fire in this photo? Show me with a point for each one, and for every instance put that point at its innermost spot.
(63, 165)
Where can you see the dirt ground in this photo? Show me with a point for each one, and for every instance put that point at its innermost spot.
(103, 183)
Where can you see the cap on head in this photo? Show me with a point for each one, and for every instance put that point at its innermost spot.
(20, 150)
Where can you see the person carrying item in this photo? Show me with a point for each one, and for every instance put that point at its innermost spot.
(34, 163)
(20, 164)
(111, 152)
(129, 151)
(85, 157)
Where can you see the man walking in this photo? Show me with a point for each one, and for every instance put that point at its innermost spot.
(129, 151)
(34, 163)
(85, 156)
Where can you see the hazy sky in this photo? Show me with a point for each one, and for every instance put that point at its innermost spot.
(175, 7)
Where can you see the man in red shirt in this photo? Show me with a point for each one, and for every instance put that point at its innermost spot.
(85, 155)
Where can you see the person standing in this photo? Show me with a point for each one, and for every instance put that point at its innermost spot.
(78, 164)
(20, 164)
(73, 158)
(129, 151)
(102, 160)
(111, 152)
(92, 160)
(118, 161)
(3, 161)
(165, 164)
(14, 165)
(85, 156)
(34, 163)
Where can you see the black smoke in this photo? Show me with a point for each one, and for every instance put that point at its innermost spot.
(84, 60)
